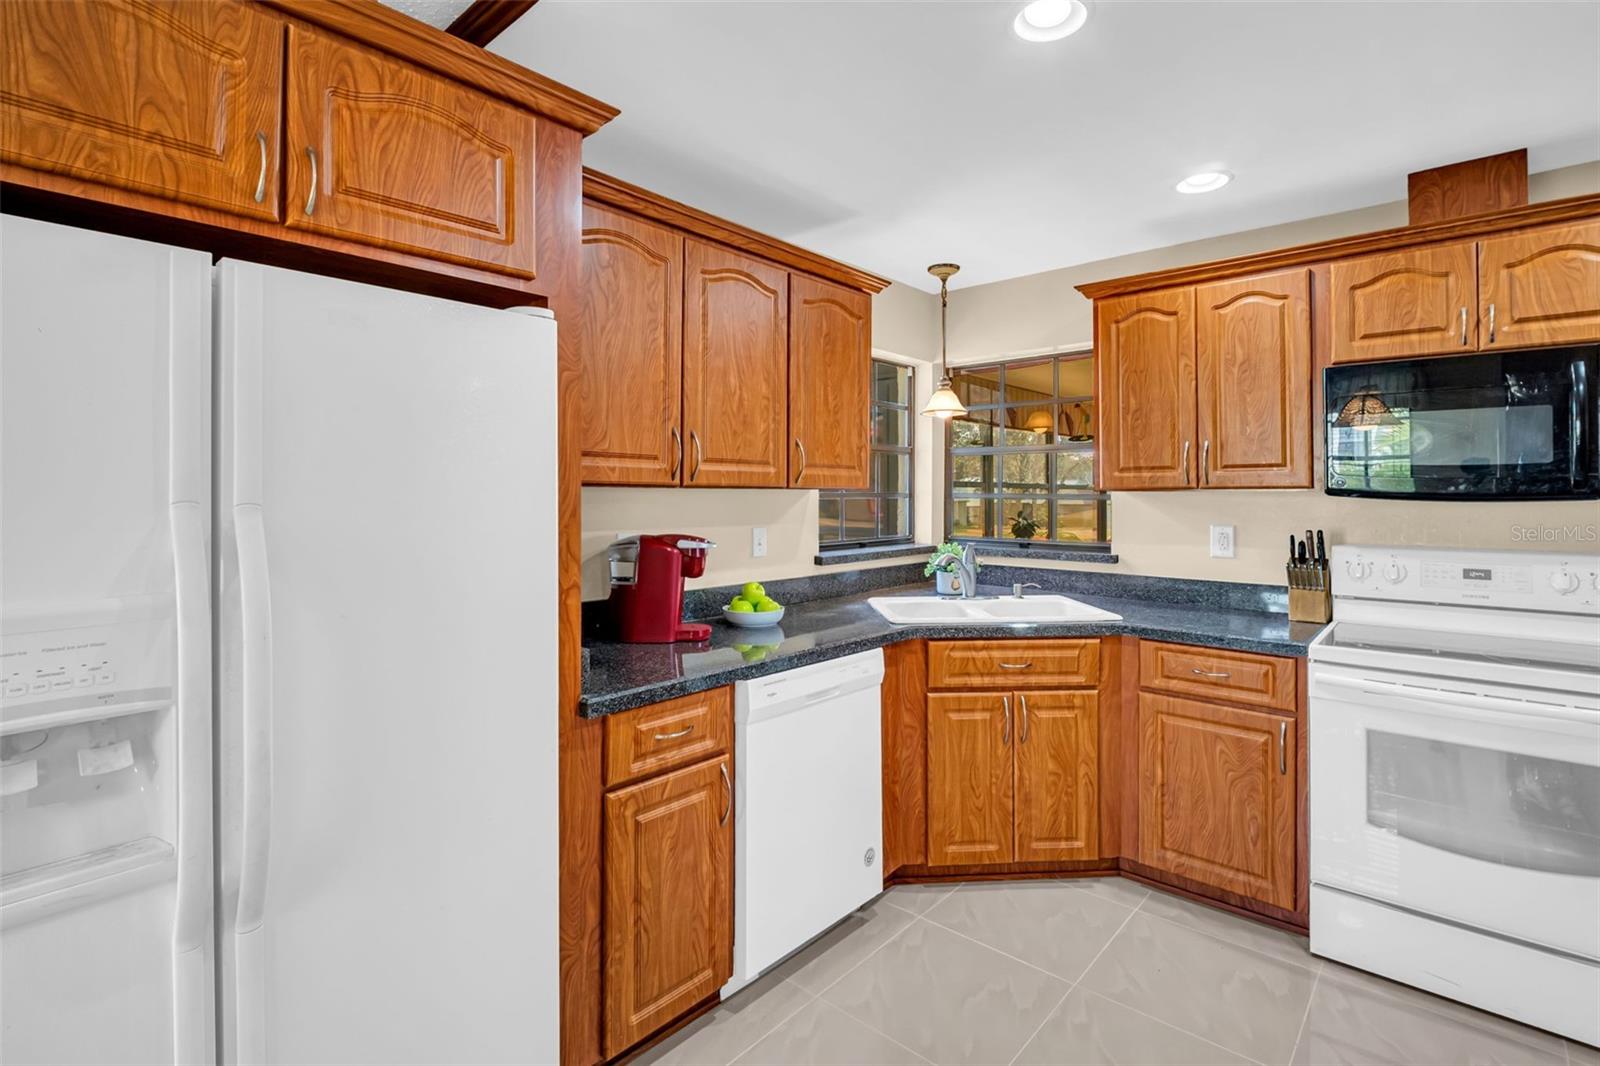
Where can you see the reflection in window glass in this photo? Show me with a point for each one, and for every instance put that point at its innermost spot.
(1021, 462)
(880, 513)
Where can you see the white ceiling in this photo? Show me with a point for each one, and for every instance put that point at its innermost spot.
(896, 134)
(438, 13)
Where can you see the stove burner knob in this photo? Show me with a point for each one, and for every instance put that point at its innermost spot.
(1564, 582)
(1357, 569)
(1394, 573)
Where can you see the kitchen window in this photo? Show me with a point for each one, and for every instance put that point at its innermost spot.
(880, 514)
(1021, 461)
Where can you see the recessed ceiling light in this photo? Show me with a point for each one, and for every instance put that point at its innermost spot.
(1205, 181)
(1050, 20)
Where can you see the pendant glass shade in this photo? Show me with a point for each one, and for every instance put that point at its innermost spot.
(944, 403)
(1365, 410)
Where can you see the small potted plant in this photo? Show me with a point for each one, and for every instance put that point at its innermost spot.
(944, 576)
(1023, 527)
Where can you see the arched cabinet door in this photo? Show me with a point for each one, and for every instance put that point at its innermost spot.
(735, 369)
(830, 382)
(1146, 367)
(632, 328)
(1404, 304)
(1540, 287)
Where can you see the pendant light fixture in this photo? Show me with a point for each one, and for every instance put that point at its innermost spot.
(944, 403)
(1365, 410)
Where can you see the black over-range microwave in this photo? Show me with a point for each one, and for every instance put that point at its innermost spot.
(1491, 426)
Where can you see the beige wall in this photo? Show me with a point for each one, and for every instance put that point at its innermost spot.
(1167, 533)
(905, 328)
(1154, 533)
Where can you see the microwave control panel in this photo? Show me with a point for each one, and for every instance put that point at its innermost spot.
(1525, 581)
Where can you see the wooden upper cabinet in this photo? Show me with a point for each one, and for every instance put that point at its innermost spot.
(1402, 304)
(668, 917)
(632, 375)
(1146, 368)
(387, 154)
(830, 384)
(970, 779)
(1057, 753)
(1217, 796)
(1540, 287)
(1253, 351)
(735, 368)
(178, 100)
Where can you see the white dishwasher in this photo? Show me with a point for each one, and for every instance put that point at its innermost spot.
(808, 822)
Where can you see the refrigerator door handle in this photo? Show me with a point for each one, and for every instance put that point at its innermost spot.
(255, 612)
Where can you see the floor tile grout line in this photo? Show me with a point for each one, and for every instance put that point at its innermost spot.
(1007, 954)
(873, 1028)
(890, 891)
(915, 918)
(811, 998)
(1175, 1028)
(1311, 969)
(1300, 1033)
(1051, 1013)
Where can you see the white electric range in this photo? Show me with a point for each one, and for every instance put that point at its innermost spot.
(1455, 778)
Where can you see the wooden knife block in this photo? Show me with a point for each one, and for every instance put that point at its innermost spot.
(1310, 605)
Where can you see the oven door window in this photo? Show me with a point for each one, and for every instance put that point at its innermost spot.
(1516, 810)
(1489, 425)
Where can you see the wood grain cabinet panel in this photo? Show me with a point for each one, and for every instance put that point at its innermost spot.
(1057, 755)
(830, 384)
(1403, 304)
(171, 99)
(1540, 287)
(632, 379)
(668, 915)
(1145, 364)
(1217, 796)
(1212, 673)
(971, 778)
(667, 735)
(735, 368)
(384, 153)
(1009, 663)
(1253, 352)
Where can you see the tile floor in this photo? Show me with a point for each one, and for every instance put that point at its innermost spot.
(1084, 971)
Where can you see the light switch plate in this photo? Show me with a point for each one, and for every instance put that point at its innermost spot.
(1222, 542)
(758, 541)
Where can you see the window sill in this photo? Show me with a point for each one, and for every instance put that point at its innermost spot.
(847, 556)
(1059, 552)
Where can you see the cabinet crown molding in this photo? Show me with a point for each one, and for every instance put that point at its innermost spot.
(614, 192)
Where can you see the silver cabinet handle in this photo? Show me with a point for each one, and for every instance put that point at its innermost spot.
(1197, 672)
(311, 194)
(727, 788)
(694, 439)
(676, 733)
(1283, 752)
(1013, 666)
(261, 177)
(1005, 729)
(1022, 703)
(1205, 463)
(1186, 480)
(1491, 323)
(677, 454)
(798, 444)
(1463, 326)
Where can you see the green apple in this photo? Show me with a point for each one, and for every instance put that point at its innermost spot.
(753, 591)
(766, 604)
(740, 607)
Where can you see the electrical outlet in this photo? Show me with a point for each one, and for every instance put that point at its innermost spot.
(1222, 543)
(758, 542)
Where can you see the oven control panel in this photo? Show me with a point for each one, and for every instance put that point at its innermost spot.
(1527, 581)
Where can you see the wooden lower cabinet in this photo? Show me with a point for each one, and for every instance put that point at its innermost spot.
(1216, 795)
(1057, 755)
(971, 778)
(1012, 777)
(668, 902)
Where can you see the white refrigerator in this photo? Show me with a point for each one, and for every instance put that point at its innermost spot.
(277, 665)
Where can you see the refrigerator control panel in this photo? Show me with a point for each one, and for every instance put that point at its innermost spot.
(101, 662)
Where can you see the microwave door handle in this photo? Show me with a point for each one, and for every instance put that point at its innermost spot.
(1575, 442)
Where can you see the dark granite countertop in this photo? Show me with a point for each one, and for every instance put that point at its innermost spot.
(624, 676)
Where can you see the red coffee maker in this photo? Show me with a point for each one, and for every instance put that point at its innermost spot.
(647, 575)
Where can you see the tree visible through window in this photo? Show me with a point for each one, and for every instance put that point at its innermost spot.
(882, 513)
(1021, 462)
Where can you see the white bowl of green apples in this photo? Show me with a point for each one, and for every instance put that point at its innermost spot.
(752, 608)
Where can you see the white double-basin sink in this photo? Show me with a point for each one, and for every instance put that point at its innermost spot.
(992, 611)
